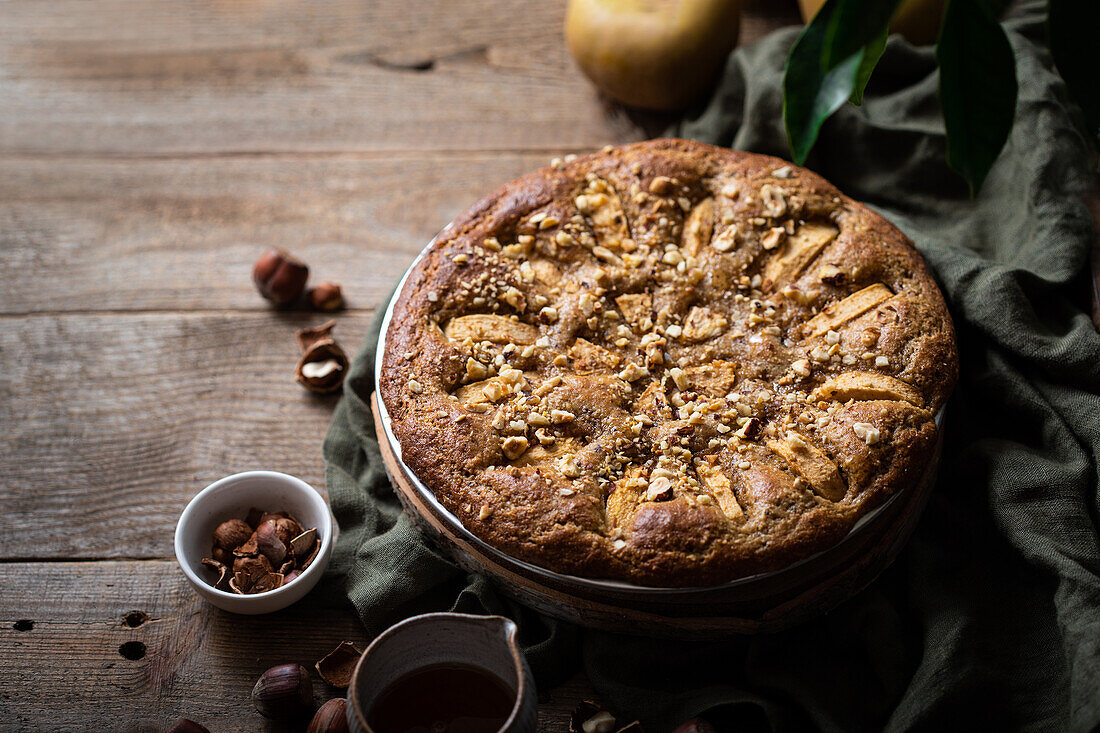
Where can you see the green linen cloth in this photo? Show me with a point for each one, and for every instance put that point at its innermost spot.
(990, 618)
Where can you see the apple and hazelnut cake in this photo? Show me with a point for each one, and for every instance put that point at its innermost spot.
(667, 363)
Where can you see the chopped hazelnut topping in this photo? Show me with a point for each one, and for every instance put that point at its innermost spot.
(484, 513)
(569, 468)
(867, 432)
(882, 361)
(414, 387)
(774, 200)
(672, 257)
(801, 367)
(632, 372)
(514, 446)
(773, 238)
(660, 185)
(475, 370)
(549, 314)
(660, 489)
(561, 416)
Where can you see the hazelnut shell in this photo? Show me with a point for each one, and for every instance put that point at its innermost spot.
(287, 529)
(222, 583)
(267, 582)
(269, 544)
(302, 545)
(320, 352)
(338, 665)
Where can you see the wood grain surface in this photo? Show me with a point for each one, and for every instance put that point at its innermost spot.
(149, 151)
(147, 651)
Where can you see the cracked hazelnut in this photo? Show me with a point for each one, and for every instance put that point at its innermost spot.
(267, 582)
(327, 296)
(247, 570)
(283, 692)
(279, 276)
(323, 364)
(263, 552)
(338, 665)
(286, 529)
(589, 717)
(330, 718)
(269, 544)
(222, 583)
(302, 545)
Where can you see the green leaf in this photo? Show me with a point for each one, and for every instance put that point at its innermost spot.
(854, 25)
(1072, 26)
(977, 88)
(872, 52)
(811, 93)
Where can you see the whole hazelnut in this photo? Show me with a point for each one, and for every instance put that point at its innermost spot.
(330, 718)
(183, 725)
(283, 692)
(231, 534)
(695, 725)
(326, 297)
(279, 276)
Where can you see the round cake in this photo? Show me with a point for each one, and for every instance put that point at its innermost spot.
(667, 363)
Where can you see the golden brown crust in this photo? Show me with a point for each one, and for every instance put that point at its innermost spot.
(668, 363)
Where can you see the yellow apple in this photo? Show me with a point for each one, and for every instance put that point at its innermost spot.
(917, 20)
(652, 54)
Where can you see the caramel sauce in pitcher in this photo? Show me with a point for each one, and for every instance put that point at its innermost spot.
(443, 698)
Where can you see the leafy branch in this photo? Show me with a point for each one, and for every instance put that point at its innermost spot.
(833, 58)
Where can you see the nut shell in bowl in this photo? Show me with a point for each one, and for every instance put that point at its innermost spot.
(669, 364)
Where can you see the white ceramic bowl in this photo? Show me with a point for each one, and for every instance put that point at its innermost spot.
(232, 497)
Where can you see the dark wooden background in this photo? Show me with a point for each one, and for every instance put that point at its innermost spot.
(149, 151)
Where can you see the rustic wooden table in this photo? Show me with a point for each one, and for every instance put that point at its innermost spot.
(149, 151)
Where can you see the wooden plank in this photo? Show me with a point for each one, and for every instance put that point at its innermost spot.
(112, 423)
(192, 76)
(187, 76)
(68, 673)
(107, 234)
